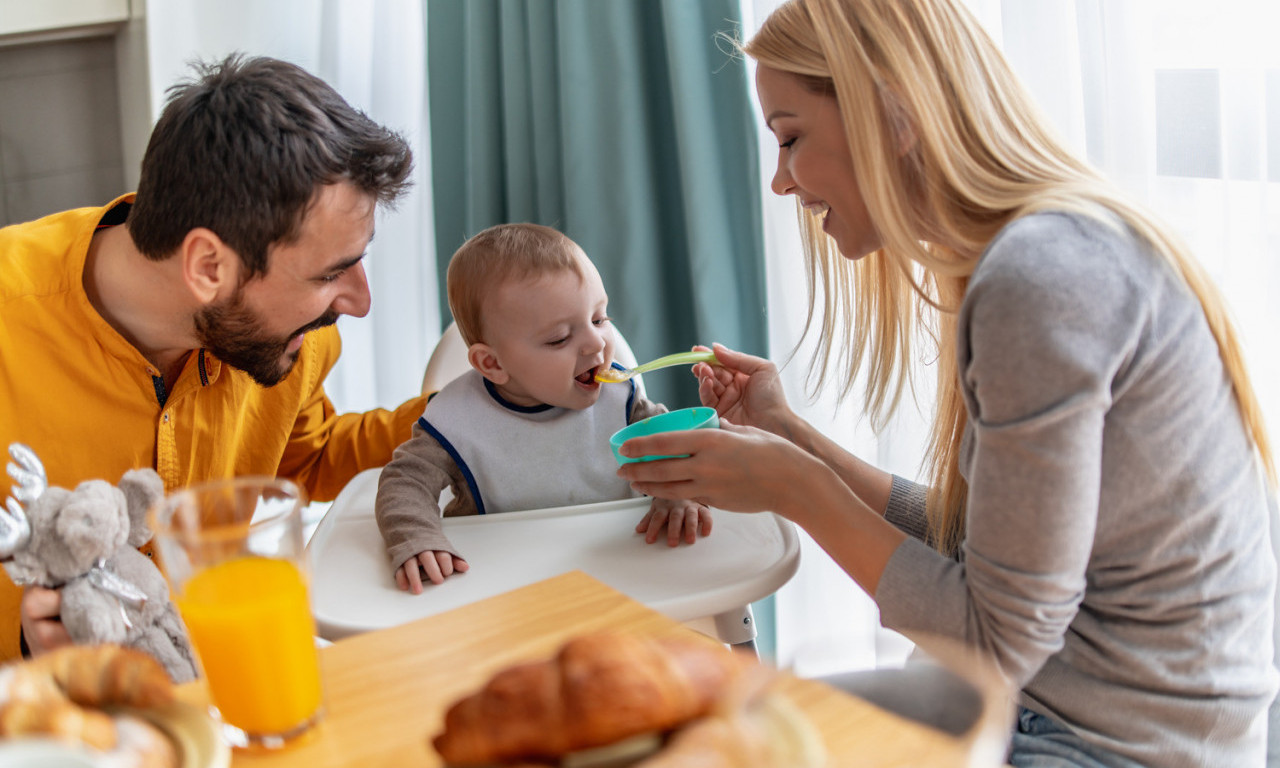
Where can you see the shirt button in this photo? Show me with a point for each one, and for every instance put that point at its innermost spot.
(166, 418)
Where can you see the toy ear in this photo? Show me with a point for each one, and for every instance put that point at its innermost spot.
(29, 563)
(92, 522)
(142, 488)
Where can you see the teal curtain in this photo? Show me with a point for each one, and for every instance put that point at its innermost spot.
(629, 127)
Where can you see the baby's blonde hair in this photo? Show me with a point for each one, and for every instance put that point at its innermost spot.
(497, 255)
(981, 156)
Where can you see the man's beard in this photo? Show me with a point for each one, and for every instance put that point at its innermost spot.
(235, 336)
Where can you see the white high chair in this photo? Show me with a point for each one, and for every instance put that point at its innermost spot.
(708, 585)
(448, 360)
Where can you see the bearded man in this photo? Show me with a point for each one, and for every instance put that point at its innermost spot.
(189, 327)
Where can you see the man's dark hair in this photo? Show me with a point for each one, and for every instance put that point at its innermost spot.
(244, 148)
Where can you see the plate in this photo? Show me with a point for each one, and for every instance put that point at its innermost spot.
(196, 734)
(196, 737)
(44, 753)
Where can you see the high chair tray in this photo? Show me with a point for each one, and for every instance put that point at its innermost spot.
(747, 557)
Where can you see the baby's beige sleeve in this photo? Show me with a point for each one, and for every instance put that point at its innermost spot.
(644, 408)
(408, 503)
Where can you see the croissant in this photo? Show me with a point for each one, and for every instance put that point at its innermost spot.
(597, 690)
(96, 675)
(58, 693)
(60, 719)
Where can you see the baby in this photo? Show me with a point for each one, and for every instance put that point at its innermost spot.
(528, 427)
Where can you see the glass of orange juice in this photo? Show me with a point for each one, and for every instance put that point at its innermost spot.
(233, 552)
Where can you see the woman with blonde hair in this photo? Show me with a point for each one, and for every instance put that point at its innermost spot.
(1096, 519)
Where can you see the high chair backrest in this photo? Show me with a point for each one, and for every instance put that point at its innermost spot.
(448, 360)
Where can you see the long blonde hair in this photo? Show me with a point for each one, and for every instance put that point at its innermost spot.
(982, 156)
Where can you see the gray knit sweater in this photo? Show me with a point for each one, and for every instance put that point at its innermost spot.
(1116, 564)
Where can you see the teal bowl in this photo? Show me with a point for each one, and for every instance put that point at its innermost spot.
(671, 421)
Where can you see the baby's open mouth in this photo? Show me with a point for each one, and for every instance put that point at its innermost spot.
(587, 377)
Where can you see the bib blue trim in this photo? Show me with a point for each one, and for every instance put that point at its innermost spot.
(510, 406)
(457, 459)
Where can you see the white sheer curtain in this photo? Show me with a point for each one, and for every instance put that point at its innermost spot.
(1178, 101)
(373, 53)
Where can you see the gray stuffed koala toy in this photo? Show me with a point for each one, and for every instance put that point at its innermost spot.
(85, 541)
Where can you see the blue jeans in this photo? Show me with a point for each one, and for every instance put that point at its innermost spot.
(1039, 742)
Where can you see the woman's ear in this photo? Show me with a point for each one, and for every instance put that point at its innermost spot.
(209, 267)
(485, 360)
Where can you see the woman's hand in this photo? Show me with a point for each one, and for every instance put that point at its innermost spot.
(743, 469)
(744, 389)
(736, 468)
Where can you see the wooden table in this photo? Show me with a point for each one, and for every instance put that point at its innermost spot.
(386, 691)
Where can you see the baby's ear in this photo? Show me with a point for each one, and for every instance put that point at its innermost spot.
(485, 360)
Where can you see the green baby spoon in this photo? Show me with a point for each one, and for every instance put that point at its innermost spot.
(613, 375)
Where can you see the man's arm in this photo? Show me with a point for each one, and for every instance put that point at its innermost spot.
(326, 449)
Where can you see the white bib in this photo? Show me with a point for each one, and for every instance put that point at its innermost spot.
(517, 457)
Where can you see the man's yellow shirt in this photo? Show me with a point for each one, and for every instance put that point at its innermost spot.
(91, 406)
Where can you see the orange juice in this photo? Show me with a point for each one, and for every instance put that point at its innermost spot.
(251, 625)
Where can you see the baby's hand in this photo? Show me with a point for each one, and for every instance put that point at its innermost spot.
(435, 564)
(687, 519)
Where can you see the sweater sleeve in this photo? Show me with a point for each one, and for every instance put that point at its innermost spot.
(906, 508)
(408, 508)
(325, 448)
(1046, 322)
